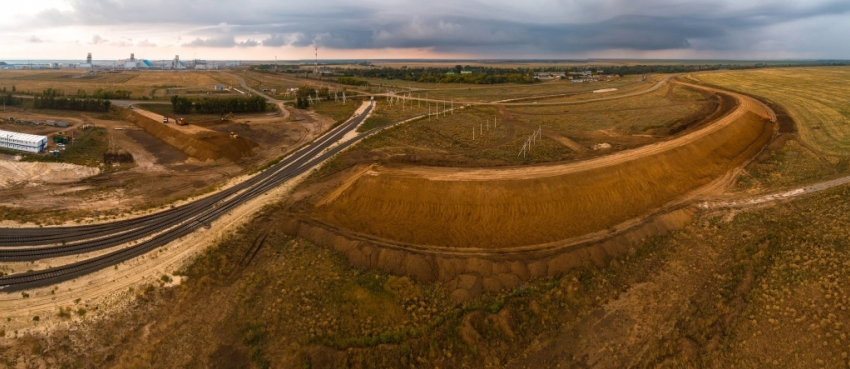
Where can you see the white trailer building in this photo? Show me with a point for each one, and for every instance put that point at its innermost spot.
(22, 142)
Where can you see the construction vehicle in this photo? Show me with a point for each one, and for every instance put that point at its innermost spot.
(233, 135)
(229, 116)
(181, 122)
(61, 138)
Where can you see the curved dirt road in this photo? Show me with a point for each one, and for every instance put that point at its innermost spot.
(745, 104)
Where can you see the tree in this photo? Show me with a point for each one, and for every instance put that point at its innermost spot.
(458, 68)
(13, 88)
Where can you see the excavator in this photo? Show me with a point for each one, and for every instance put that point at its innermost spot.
(233, 135)
(228, 117)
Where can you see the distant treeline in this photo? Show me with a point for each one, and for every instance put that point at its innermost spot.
(477, 75)
(685, 68)
(352, 81)
(49, 99)
(8, 99)
(266, 68)
(224, 105)
(103, 94)
(306, 94)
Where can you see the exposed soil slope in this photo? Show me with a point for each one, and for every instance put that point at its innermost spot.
(207, 145)
(503, 208)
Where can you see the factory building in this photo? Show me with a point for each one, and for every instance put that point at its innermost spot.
(22, 142)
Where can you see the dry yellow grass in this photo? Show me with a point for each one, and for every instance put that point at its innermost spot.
(815, 97)
(140, 83)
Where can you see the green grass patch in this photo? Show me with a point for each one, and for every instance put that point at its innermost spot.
(86, 149)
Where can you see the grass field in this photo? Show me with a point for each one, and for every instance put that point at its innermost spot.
(139, 83)
(792, 165)
(449, 139)
(336, 110)
(386, 112)
(491, 93)
(634, 115)
(815, 97)
(282, 82)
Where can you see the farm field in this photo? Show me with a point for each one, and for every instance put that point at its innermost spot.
(281, 82)
(814, 97)
(635, 115)
(139, 83)
(493, 93)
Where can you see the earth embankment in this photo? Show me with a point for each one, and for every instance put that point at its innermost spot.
(496, 209)
(208, 145)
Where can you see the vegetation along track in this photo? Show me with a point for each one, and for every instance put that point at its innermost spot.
(165, 226)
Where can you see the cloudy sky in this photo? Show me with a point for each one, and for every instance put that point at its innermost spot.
(406, 29)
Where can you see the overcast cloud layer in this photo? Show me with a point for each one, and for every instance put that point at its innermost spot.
(265, 29)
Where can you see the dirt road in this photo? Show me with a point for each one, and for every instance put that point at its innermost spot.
(778, 196)
(745, 104)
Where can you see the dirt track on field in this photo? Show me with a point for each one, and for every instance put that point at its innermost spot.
(521, 206)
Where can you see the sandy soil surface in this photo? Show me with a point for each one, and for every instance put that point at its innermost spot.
(189, 128)
(161, 173)
(746, 104)
(16, 172)
(110, 289)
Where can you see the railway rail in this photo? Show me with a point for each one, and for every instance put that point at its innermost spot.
(153, 230)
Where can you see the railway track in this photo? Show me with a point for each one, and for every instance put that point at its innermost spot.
(154, 230)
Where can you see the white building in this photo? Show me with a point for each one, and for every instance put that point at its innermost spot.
(22, 142)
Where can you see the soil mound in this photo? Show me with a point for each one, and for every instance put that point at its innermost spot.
(203, 146)
(16, 171)
(498, 209)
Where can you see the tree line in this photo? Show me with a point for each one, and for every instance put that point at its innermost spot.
(305, 94)
(476, 75)
(223, 105)
(352, 81)
(50, 99)
(103, 94)
(8, 99)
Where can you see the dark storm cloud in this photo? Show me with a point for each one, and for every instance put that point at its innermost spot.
(225, 41)
(547, 26)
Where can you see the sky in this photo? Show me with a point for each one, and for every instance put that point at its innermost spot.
(432, 29)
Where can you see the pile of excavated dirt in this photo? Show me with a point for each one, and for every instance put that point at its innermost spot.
(505, 208)
(208, 145)
(17, 171)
